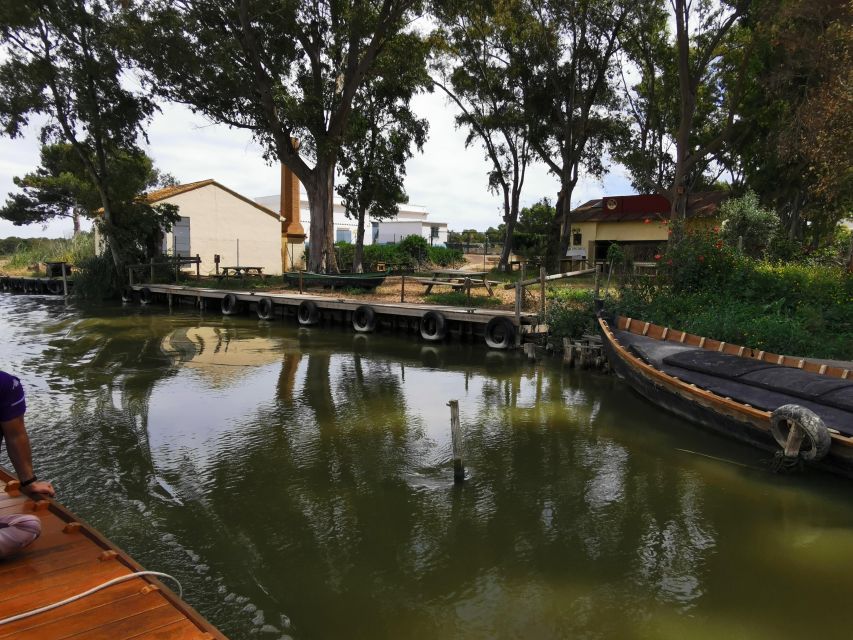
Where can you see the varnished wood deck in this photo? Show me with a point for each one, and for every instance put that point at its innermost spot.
(70, 557)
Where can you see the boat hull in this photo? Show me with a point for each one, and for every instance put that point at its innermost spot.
(721, 415)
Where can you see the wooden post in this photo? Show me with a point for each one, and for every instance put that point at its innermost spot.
(64, 282)
(518, 303)
(597, 279)
(300, 281)
(456, 442)
(197, 267)
(151, 281)
(542, 285)
(130, 276)
(402, 287)
(468, 290)
(568, 352)
(740, 244)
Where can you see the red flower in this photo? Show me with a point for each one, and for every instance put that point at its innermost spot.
(657, 256)
(647, 221)
(716, 229)
(669, 262)
(719, 244)
(701, 258)
(669, 232)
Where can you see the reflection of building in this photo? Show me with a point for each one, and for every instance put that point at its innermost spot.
(219, 354)
(411, 220)
(638, 224)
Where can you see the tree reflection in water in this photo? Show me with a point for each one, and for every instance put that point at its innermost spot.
(305, 473)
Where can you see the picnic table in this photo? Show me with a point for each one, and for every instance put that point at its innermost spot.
(241, 272)
(457, 279)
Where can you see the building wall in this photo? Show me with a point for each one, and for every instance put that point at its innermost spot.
(396, 231)
(218, 220)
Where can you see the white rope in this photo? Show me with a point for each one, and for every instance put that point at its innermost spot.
(109, 583)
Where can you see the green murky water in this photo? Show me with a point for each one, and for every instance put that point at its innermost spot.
(298, 483)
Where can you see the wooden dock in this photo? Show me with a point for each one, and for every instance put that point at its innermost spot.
(69, 558)
(459, 321)
(23, 284)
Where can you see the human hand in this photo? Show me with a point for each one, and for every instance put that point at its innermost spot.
(43, 488)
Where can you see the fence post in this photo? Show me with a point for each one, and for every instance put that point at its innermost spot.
(542, 286)
(597, 278)
(456, 442)
(402, 287)
(151, 281)
(197, 267)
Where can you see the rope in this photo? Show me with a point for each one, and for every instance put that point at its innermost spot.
(109, 583)
(786, 464)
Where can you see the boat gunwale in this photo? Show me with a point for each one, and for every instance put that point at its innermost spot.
(756, 418)
(667, 334)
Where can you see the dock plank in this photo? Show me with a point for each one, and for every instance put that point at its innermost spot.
(67, 561)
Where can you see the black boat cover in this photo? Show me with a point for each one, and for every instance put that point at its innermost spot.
(763, 385)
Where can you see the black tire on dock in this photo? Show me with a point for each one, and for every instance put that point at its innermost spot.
(145, 295)
(364, 319)
(433, 326)
(500, 333)
(230, 305)
(54, 287)
(266, 309)
(816, 440)
(308, 313)
(127, 294)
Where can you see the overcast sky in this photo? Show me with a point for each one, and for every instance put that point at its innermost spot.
(448, 179)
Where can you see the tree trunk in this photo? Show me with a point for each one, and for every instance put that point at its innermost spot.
(321, 248)
(510, 220)
(358, 255)
(75, 219)
(565, 217)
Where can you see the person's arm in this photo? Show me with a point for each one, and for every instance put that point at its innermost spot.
(18, 445)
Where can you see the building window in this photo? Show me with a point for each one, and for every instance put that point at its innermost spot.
(577, 237)
(343, 235)
(433, 232)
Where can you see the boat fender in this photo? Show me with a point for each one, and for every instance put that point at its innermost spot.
(500, 333)
(145, 296)
(266, 310)
(230, 305)
(815, 436)
(433, 326)
(127, 294)
(364, 319)
(308, 313)
(54, 287)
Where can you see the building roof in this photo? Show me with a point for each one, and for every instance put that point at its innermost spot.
(640, 207)
(169, 192)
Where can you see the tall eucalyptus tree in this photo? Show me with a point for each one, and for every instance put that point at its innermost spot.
(281, 69)
(476, 71)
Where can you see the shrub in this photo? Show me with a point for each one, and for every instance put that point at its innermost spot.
(744, 218)
(570, 313)
(444, 257)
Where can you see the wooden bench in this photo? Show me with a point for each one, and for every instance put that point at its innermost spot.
(457, 284)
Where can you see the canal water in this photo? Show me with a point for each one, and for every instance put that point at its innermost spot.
(298, 483)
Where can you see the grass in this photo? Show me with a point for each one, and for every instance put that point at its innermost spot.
(32, 253)
(460, 299)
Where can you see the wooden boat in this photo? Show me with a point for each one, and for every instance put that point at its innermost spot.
(69, 558)
(799, 408)
(360, 280)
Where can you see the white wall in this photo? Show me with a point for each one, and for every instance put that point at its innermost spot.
(218, 220)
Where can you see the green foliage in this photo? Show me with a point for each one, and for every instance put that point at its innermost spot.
(745, 220)
(535, 224)
(96, 279)
(699, 260)
(405, 256)
(24, 252)
(569, 313)
(794, 309)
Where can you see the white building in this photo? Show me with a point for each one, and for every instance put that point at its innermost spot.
(411, 220)
(218, 221)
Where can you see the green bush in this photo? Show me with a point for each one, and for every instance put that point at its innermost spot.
(409, 255)
(444, 257)
(570, 313)
(745, 221)
(96, 278)
(72, 250)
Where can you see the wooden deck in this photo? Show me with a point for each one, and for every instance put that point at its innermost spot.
(69, 558)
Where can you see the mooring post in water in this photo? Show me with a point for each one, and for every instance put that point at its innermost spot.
(456, 442)
(518, 303)
(542, 286)
(64, 282)
(152, 271)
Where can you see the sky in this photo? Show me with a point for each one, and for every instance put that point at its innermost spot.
(448, 179)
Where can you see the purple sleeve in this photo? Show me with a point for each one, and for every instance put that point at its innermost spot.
(12, 402)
